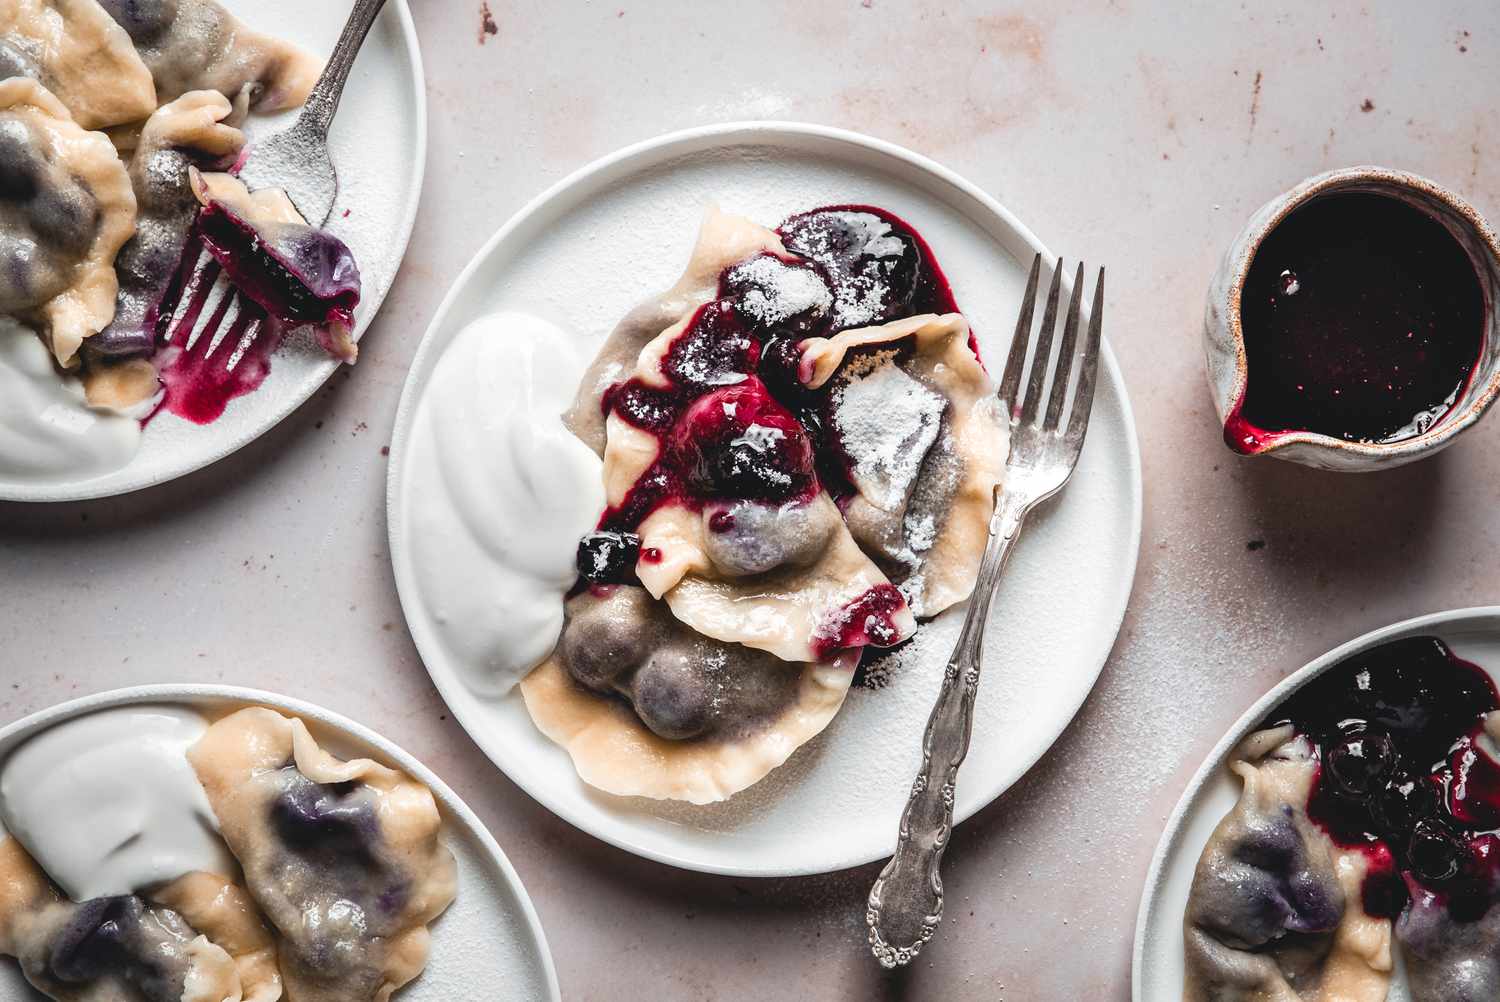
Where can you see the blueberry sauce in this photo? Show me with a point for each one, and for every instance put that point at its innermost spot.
(198, 379)
(864, 622)
(1362, 319)
(733, 420)
(1403, 777)
(855, 266)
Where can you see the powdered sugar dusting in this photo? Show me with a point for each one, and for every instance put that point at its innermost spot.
(776, 291)
(860, 300)
(886, 421)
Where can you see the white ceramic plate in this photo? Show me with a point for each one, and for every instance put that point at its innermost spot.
(379, 143)
(490, 935)
(1473, 634)
(586, 251)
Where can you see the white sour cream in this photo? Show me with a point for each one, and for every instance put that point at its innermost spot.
(48, 431)
(108, 803)
(499, 493)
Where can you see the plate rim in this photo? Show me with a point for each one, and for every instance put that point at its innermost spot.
(743, 132)
(319, 375)
(1214, 761)
(177, 693)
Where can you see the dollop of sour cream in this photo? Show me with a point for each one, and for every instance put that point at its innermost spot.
(48, 432)
(108, 803)
(498, 494)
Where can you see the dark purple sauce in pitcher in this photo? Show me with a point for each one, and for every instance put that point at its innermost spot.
(1363, 319)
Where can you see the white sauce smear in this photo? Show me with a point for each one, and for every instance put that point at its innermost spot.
(48, 432)
(499, 493)
(108, 803)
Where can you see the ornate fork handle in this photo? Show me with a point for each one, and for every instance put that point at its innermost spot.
(317, 113)
(906, 903)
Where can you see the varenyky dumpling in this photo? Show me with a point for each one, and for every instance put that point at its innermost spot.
(916, 414)
(342, 857)
(193, 45)
(66, 209)
(190, 131)
(1275, 913)
(75, 50)
(648, 708)
(197, 939)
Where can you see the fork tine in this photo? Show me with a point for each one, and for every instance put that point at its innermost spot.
(1015, 364)
(1083, 399)
(1042, 360)
(1065, 356)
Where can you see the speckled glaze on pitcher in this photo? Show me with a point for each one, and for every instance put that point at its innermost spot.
(1224, 343)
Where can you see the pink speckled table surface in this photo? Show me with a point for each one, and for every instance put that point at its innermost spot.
(1138, 132)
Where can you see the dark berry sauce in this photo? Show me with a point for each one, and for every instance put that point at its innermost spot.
(867, 621)
(202, 378)
(1362, 319)
(732, 419)
(1402, 777)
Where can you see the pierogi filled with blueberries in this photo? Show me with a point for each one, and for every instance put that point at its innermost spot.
(1367, 827)
(120, 129)
(799, 449)
(149, 854)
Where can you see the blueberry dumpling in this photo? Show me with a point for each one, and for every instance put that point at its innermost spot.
(723, 240)
(648, 708)
(197, 939)
(914, 415)
(191, 131)
(66, 209)
(197, 45)
(343, 857)
(1275, 913)
(75, 50)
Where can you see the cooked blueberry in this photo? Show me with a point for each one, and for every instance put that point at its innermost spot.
(873, 265)
(1435, 853)
(92, 944)
(1360, 763)
(20, 167)
(608, 557)
(1402, 803)
(324, 819)
(739, 443)
(771, 294)
(752, 538)
(714, 350)
(67, 216)
(607, 636)
(674, 695)
(106, 938)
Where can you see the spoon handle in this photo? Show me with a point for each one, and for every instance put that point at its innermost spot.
(906, 903)
(323, 101)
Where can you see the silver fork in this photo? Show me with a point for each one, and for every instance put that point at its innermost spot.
(906, 903)
(295, 160)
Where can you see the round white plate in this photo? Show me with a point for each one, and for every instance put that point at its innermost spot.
(582, 254)
(490, 935)
(1473, 634)
(379, 144)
